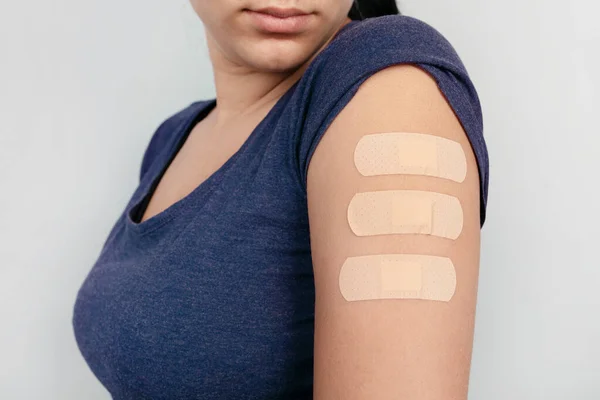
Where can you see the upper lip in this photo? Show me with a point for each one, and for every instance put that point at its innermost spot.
(281, 12)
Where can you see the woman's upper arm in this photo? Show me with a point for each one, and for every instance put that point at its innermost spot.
(390, 348)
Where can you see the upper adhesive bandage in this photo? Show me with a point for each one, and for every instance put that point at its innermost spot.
(410, 153)
(405, 211)
(397, 276)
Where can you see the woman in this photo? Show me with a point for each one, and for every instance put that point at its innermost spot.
(249, 264)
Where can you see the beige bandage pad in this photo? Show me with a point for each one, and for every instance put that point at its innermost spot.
(410, 153)
(397, 276)
(405, 211)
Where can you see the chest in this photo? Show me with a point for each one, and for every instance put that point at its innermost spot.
(214, 297)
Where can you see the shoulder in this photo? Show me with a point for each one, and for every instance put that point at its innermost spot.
(396, 69)
(389, 38)
(364, 48)
(403, 28)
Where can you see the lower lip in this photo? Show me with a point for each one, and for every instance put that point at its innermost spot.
(270, 23)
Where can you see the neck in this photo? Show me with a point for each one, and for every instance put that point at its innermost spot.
(242, 90)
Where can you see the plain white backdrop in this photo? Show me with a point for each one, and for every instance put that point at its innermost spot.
(83, 85)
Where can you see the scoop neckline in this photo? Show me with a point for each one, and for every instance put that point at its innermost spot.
(203, 189)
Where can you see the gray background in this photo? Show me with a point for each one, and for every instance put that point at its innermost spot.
(84, 84)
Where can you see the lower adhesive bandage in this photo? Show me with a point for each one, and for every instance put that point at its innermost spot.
(410, 153)
(397, 276)
(405, 211)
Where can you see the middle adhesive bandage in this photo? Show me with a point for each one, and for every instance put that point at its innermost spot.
(405, 211)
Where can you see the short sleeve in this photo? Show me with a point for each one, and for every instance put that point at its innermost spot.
(364, 48)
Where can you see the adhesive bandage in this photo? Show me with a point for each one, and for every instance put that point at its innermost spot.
(410, 153)
(405, 211)
(397, 276)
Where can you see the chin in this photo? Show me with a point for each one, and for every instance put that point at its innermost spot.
(277, 63)
(274, 54)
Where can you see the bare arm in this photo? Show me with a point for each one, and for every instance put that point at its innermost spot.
(398, 349)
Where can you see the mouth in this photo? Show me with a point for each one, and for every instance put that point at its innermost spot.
(281, 12)
(279, 20)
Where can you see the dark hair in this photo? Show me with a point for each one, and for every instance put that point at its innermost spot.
(362, 9)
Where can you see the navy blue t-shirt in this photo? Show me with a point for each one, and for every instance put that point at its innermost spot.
(213, 298)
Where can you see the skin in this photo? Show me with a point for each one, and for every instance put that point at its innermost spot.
(395, 348)
(378, 349)
(252, 70)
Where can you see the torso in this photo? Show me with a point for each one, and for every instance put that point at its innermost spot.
(211, 296)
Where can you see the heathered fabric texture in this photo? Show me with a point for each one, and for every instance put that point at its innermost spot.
(214, 297)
